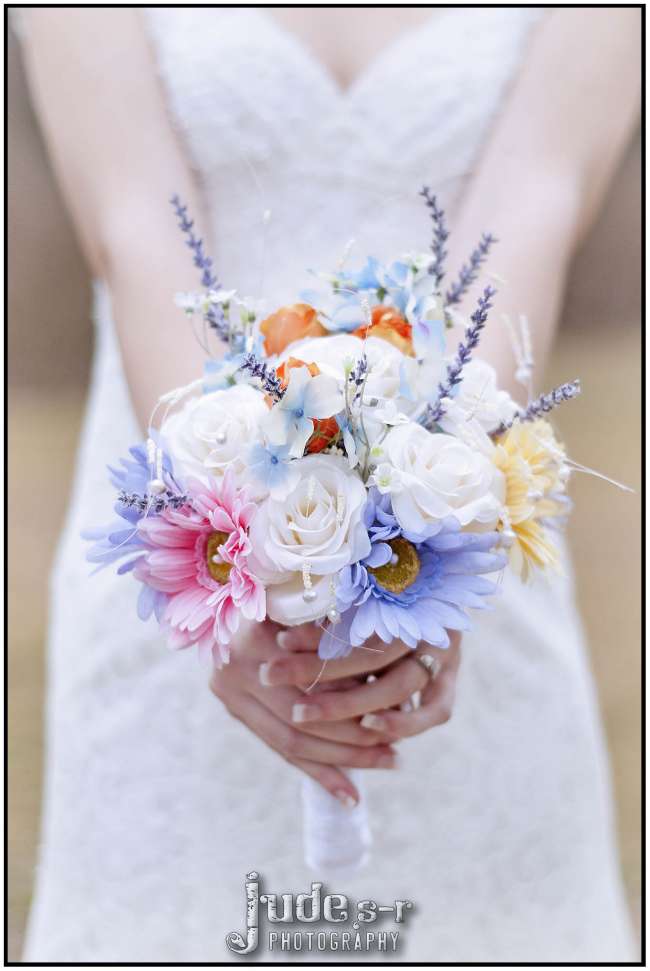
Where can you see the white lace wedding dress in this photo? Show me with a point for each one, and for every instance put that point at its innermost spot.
(157, 803)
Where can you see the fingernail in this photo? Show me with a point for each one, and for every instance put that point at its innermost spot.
(305, 713)
(373, 721)
(263, 672)
(386, 761)
(283, 640)
(345, 798)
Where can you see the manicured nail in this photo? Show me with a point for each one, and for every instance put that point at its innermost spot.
(305, 713)
(373, 721)
(386, 761)
(283, 640)
(345, 798)
(264, 674)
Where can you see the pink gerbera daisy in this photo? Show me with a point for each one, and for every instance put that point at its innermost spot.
(198, 557)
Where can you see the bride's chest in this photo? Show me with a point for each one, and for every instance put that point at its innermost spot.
(244, 87)
(347, 40)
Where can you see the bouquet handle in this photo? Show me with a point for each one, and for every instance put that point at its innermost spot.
(336, 839)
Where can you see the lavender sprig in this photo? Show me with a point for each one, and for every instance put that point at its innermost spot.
(358, 376)
(543, 404)
(469, 271)
(216, 320)
(440, 235)
(201, 260)
(435, 412)
(156, 504)
(214, 316)
(267, 375)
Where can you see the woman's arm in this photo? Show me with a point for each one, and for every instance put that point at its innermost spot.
(118, 162)
(547, 165)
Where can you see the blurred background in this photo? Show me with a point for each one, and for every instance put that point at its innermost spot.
(50, 344)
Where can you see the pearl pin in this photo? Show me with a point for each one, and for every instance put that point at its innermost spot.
(156, 487)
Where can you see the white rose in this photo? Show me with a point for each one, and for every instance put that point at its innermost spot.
(314, 532)
(392, 377)
(480, 398)
(212, 433)
(389, 370)
(434, 476)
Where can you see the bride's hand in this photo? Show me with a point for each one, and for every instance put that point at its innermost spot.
(398, 676)
(319, 750)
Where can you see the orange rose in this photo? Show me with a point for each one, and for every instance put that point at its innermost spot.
(289, 324)
(283, 370)
(389, 325)
(325, 429)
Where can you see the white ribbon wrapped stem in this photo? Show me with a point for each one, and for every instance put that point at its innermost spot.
(336, 839)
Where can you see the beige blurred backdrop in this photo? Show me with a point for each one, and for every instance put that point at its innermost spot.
(50, 340)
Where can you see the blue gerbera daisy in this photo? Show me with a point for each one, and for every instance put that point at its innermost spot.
(411, 588)
(120, 538)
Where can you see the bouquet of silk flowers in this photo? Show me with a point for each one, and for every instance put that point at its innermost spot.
(338, 464)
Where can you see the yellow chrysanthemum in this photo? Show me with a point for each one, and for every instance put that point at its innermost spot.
(532, 463)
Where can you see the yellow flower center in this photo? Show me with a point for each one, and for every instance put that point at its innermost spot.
(402, 568)
(218, 568)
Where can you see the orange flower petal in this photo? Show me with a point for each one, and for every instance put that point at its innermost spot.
(388, 324)
(289, 324)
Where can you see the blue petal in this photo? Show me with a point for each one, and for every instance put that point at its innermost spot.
(98, 532)
(387, 612)
(380, 554)
(335, 640)
(121, 536)
(363, 625)
(159, 605)
(127, 567)
(473, 562)
(346, 317)
(430, 630)
(450, 616)
(479, 542)
(409, 627)
(399, 272)
(146, 600)
(458, 592)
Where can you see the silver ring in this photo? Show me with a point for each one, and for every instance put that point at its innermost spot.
(430, 664)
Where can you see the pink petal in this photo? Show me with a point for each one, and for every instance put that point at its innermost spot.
(181, 606)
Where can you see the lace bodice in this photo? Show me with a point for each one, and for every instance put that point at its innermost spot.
(157, 801)
(269, 129)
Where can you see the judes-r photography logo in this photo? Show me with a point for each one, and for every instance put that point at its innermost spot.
(359, 926)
